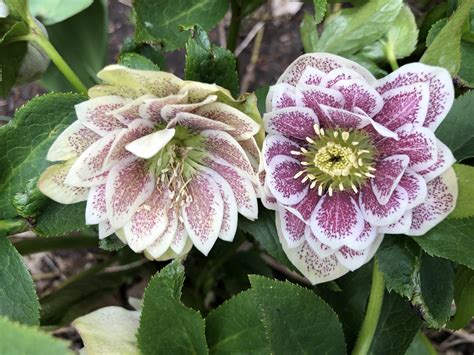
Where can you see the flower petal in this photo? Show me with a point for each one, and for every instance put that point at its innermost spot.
(151, 108)
(365, 239)
(159, 247)
(244, 126)
(147, 146)
(180, 239)
(275, 144)
(444, 160)
(336, 75)
(95, 114)
(96, 211)
(128, 186)
(52, 184)
(340, 118)
(131, 111)
(404, 104)
(337, 220)
(304, 209)
(242, 188)
(292, 227)
(252, 151)
(387, 176)
(352, 259)
(203, 215)
(72, 142)
(197, 122)
(281, 96)
(440, 202)
(402, 226)
(415, 186)
(149, 222)
(359, 94)
(440, 87)
(281, 182)
(381, 215)
(311, 76)
(316, 96)
(168, 112)
(324, 62)
(322, 250)
(297, 122)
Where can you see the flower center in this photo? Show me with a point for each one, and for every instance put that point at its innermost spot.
(336, 159)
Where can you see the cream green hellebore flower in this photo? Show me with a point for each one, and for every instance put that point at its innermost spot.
(4, 12)
(164, 163)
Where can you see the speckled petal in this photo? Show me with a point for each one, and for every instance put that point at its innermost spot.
(168, 112)
(253, 152)
(96, 211)
(440, 87)
(106, 230)
(337, 220)
(275, 144)
(180, 239)
(352, 259)
(292, 227)
(444, 160)
(322, 250)
(151, 108)
(165, 241)
(297, 122)
(131, 111)
(72, 142)
(306, 206)
(203, 215)
(387, 176)
(315, 96)
(381, 215)
(281, 96)
(365, 239)
(147, 146)
(415, 186)
(340, 118)
(359, 94)
(128, 186)
(439, 203)
(197, 122)
(311, 76)
(336, 75)
(402, 226)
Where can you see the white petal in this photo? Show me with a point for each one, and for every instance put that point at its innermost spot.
(146, 147)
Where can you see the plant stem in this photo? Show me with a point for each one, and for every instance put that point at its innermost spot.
(40, 244)
(372, 314)
(55, 57)
(234, 27)
(390, 55)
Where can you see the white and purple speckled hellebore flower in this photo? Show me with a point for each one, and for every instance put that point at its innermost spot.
(349, 158)
(163, 163)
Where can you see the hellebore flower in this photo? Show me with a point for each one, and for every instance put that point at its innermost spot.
(349, 158)
(163, 163)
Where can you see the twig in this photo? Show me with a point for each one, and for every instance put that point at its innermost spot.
(252, 33)
(250, 72)
(284, 270)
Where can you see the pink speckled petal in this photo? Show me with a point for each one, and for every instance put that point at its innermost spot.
(405, 104)
(72, 142)
(161, 245)
(340, 118)
(244, 126)
(440, 202)
(440, 87)
(243, 189)
(352, 259)
(95, 114)
(203, 215)
(316, 96)
(131, 111)
(118, 153)
(336, 75)
(292, 227)
(52, 184)
(402, 226)
(381, 215)
(420, 145)
(306, 206)
(168, 112)
(180, 239)
(149, 145)
(297, 122)
(197, 122)
(324, 62)
(359, 94)
(106, 230)
(275, 144)
(128, 186)
(149, 222)
(281, 182)
(322, 250)
(230, 217)
(225, 147)
(282, 96)
(415, 186)
(337, 220)
(151, 108)
(92, 162)
(96, 211)
(387, 176)
(365, 239)
(444, 160)
(311, 76)
(253, 152)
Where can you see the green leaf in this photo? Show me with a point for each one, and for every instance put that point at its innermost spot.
(211, 64)
(264, 231)
(56, 219)
(437, 291)
(452, 239)
(54, 11)
(320, 7)
(137, 61)
(160, 21)
(309, 33)
(466, 72)
(463, 297)
(152, 52)
(397, 326)
(18, 300)
(398, 259)
(368, 64)
(237, 327)
(401, 38)
(11, 57)
(19, 339)
(111, 243)
(166, 325)
(464, 206)
(261, 94)
(421, 345)
(352, 29)
(445, 50)
(457, 129)
(25, 140)
(82, 42)
(296, 320)
(434, 30)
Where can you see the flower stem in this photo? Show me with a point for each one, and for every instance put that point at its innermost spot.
(367, 331)
(39, 244)
(390, 55)
(234, 26)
